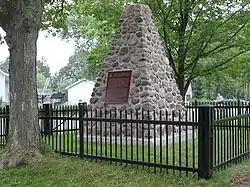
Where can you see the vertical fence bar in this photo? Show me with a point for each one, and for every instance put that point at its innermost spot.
(81, 127)
(205, 144)
(7, 110)
(48, 124)
(239, 128)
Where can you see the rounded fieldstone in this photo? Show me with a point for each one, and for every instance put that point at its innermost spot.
(145, 83)
(126, 58)
(172, 106)
(97, 84)
(106, 65)
(144, 76)
(138, 19)
(123, 51)
(169, 97)
(139, 34)
(145, 100)
(132, 49)
(145, 93)
(124, 30)
(157, 87)
(147, 107)
(138, 82)
(115, 64)
(174, 93)
(169, 89)
(93, 100)
(161, 104)
(135, 101)
(133, 28)
(157, 95)
(179, 107)
(161, 75)
(137, 106)
(114, 58)
(111, 52)
(179, 98)
(148, 38)
(99, 93)
(132, 41)
(136, 74)
(155, 67)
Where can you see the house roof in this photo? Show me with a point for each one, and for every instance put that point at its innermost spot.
(77, 82)
(5, 74)
(57, 95)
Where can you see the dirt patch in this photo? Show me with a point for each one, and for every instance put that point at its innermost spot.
(243, 181)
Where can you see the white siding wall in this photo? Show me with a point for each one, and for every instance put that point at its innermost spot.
(81, 91)
(2, 87)
(6, 89)
(189, 94)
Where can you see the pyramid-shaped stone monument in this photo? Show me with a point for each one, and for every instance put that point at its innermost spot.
(136, 74)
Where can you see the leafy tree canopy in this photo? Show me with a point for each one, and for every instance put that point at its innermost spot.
(195, 33)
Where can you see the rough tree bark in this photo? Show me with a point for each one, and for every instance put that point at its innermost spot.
(21, 20)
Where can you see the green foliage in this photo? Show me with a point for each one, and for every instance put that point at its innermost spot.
(71, 72)
(199, 36)
(92, 24)
(40, 79)
(4, 66)
(43, 70)
(230, 80)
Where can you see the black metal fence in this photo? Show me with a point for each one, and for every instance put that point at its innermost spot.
(200, 140)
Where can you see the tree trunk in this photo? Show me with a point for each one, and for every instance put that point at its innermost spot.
(181, 85)
(25, 144)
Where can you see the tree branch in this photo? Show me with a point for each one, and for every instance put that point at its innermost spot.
(194, 62)
(4, 5)
(224, 43)
(192, 29)
(223, 63)
(169, 9)
(168, 47)
(188, 81)
(230, 17)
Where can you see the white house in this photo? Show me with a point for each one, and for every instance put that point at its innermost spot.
(81, 90)
(4, 86)
(189, 93)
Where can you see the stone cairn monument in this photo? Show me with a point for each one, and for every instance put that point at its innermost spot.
(136, 75)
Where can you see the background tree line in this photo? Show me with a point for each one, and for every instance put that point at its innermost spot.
(204, 40)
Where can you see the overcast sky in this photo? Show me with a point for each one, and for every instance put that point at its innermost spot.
(55, 50)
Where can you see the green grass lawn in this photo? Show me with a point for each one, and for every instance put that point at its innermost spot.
(70, 171)
(227, 142)
(178, 154)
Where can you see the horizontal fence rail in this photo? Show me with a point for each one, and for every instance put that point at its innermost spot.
(198, 140)
(157, 143)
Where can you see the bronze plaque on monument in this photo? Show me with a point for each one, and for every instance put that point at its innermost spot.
(117, 88)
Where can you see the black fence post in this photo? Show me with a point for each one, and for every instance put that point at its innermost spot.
(205, 141)
(48, 123)
(239, 107)
(7, 111)
(82, 112)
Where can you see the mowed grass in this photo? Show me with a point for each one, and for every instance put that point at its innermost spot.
(184, 153)
(227, 144)
(70, 171)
